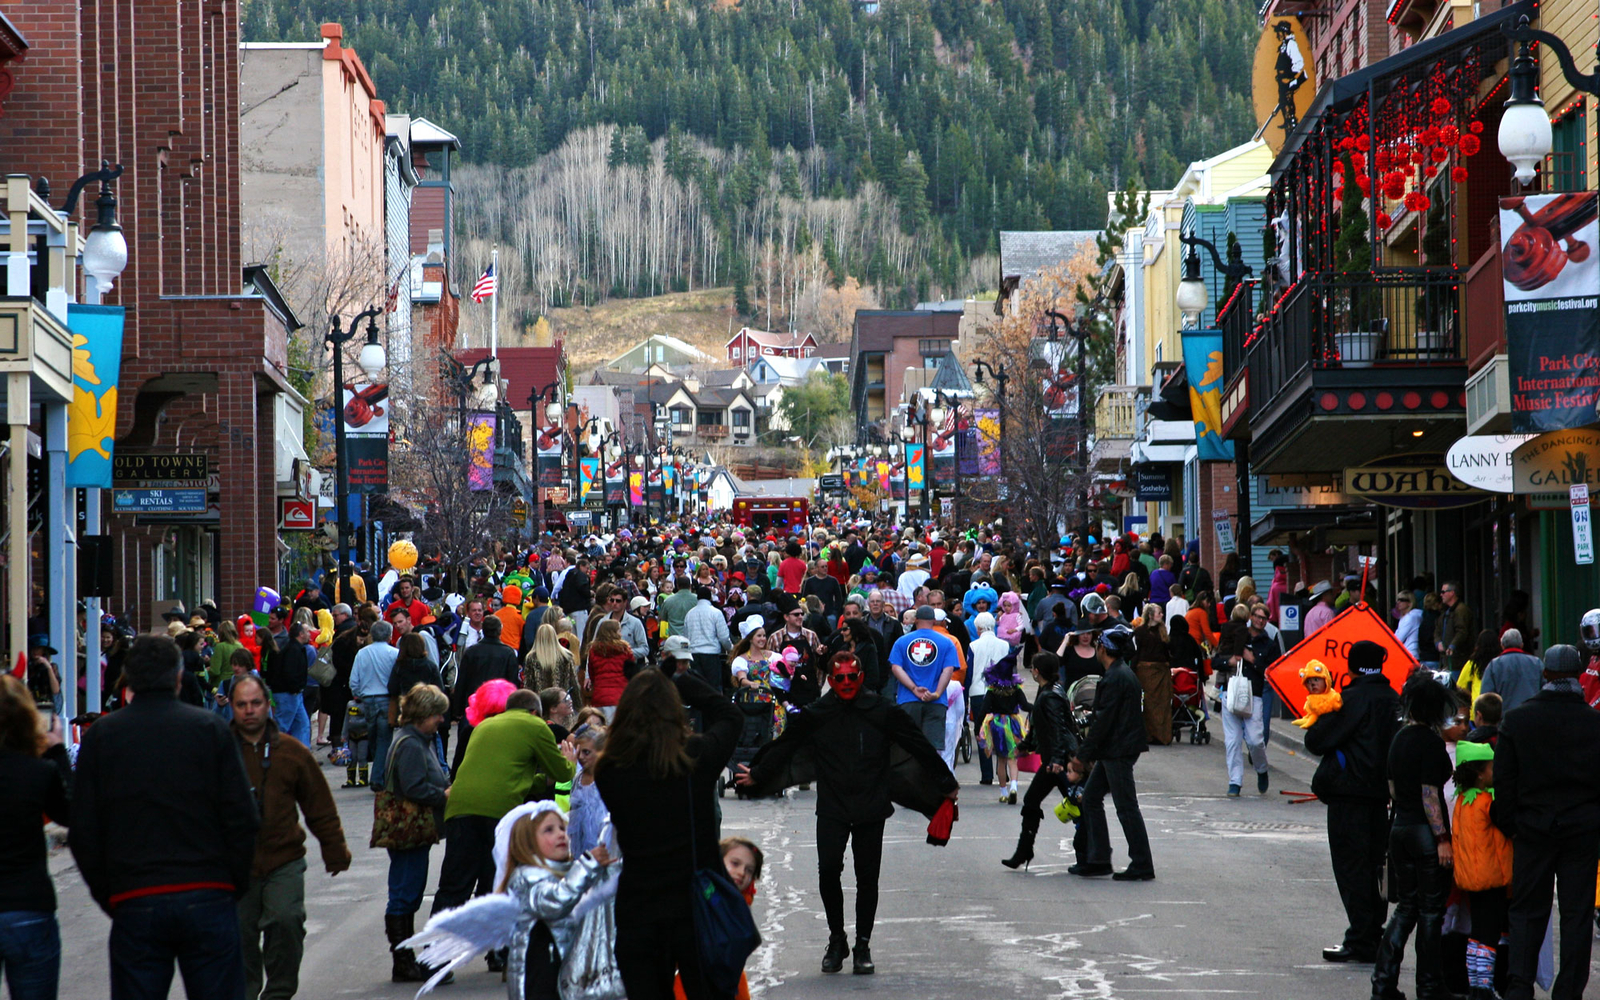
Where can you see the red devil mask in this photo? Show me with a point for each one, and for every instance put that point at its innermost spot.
(844, 676)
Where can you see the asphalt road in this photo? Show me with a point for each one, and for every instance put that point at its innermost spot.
(1242, 903)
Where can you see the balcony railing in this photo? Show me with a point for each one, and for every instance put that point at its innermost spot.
(715, 432)
(1388, 319)
(1116, 412)
(1236, 319)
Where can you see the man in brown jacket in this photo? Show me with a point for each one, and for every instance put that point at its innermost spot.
(286, 781)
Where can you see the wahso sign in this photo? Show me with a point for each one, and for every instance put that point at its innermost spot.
(1411, 481)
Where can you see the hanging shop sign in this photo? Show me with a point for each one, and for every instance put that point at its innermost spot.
(1557, 461)
(1412, 482)
(298, 515)
(160, 469)
(1484, 460)
(1152, 483)
(158, 501)
(1331, 644)
(1551, 273)
(1283, 79)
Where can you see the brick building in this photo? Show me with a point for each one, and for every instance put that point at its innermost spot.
(154, 85)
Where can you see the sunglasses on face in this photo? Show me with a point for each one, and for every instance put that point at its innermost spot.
(850, 675)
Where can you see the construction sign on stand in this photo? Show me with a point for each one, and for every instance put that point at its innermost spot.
(1331, 644)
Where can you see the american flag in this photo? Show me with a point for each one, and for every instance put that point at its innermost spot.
(486, 286)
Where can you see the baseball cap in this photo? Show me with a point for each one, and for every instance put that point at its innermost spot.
(638, 602)
(675, 647)
(926, 613)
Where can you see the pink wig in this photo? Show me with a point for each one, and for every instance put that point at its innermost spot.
(489, 700)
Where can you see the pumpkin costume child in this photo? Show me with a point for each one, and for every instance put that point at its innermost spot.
(1482, 863)
(1320, 696)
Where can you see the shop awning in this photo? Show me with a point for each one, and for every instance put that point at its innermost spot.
(1144, 453)
(1336, 524)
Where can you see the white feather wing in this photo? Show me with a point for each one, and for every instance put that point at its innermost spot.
(457, 936)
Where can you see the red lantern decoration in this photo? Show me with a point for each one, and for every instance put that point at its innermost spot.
(1449, 135)
(1440, 154)
(1428, 137)
(1440, 106)
(1358, 161)
(1384, 220)
(1430, 171)
(1459, 175)
(1470, 144)
(1476, 127)
(1364, 142)
(1417, 202)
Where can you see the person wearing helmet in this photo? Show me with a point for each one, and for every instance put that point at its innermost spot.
(1589, 635)
(1111, 747)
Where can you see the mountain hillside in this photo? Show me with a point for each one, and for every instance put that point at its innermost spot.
(630, 147)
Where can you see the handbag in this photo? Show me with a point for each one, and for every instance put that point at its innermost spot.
(1239, 697)
(725, 933)
(399, 823)
(1029, 762)
(322, 670)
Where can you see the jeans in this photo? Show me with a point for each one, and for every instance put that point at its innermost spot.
(30, 954)
(1116, 777)
(929, 717)
(379, 734)
(198, 929)
(468, 868)
(832, 835)
(1270, 704)
(1238, 732)
(272, 930)
(985, 762)
(711, 667)
(290, 712)
(408, 879)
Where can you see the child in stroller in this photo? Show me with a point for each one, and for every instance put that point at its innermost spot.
(1188, 706)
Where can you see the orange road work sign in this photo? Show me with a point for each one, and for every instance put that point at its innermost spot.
(1331, 644)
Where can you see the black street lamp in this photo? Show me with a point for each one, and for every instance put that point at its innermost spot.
(1233, 271)
(105, 249)
(1525, 136)
(372, 361)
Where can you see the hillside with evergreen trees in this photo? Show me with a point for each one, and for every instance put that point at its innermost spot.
(760, 126)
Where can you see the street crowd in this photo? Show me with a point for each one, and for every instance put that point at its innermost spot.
(565, 718)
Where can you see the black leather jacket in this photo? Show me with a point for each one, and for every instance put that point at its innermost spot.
(1354, 741)
(1051, 733)
(1117, 730)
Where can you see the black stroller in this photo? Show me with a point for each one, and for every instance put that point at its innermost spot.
(756, 704)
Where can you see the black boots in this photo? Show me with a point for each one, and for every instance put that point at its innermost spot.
(1030, 830)
(397, 928)
(833, 958)
(861, 959)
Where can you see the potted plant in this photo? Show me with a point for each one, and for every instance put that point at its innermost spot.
(1357, 328)
(1436, 304)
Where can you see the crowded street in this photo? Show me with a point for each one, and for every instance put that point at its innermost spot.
(1243, 904)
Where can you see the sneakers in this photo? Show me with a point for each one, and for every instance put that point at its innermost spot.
(1233, 791)
(833, 958)
(1261, 782)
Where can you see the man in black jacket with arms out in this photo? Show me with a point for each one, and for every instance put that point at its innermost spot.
(849, 732)
(1111, 747)
(1547, 800)
(1353, 779)
(164, 830)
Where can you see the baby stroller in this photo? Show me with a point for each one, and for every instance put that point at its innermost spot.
(1080, 696)
(1188, 707)
(756, 704)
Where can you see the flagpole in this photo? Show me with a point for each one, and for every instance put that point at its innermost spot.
(494, 307)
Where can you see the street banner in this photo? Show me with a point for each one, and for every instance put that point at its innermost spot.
(669, 480)
(480, 451)
(617, 483)
(916, 468)
(1202, 360)
(1551, 279)
(897, 476)
(987, 432)
(366, 462)
(654, 498)
(1060, 390)
(366, 410)
(636, 489)
(944, 453)
(547, 448)
(1331, 644)
(588, 478)
(92, 414)
(883, 475)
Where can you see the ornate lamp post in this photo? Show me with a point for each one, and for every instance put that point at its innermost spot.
(372, 361)
(1525, 136)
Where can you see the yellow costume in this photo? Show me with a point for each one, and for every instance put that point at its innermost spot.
(1318, 704)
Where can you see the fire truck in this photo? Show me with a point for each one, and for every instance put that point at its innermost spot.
(771, 513)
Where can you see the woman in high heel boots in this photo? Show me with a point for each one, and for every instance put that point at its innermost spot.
(1052, 735)
(1420, 855)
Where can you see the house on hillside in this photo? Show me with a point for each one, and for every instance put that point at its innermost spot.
(746, 346)
(696, 413)
(834, 356)
(883, 344)
(660, 349)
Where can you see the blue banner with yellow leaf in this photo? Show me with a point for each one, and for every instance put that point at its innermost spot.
(1202, 360)
(92, 414)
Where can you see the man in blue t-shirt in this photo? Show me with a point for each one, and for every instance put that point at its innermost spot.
(922, 661)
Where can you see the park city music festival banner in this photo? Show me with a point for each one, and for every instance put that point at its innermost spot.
(1550, 266)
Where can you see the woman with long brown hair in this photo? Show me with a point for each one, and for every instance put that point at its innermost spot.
(1153, 666)
(659, 780)
(34, 772)
(607, 664)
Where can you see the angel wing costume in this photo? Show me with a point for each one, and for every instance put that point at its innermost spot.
(573, 898)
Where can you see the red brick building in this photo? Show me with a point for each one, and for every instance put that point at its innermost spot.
(153, 85)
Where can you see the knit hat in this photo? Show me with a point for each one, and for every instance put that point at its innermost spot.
(1367, 657)
(1467, 752)
(512, 595)
(1563, 659)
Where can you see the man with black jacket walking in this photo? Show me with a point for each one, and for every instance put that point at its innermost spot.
(163, 831)
(848, 733)
(284, 667)
(487, 660)
(1547, 800)
(1110, 748)
(1353, 779)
